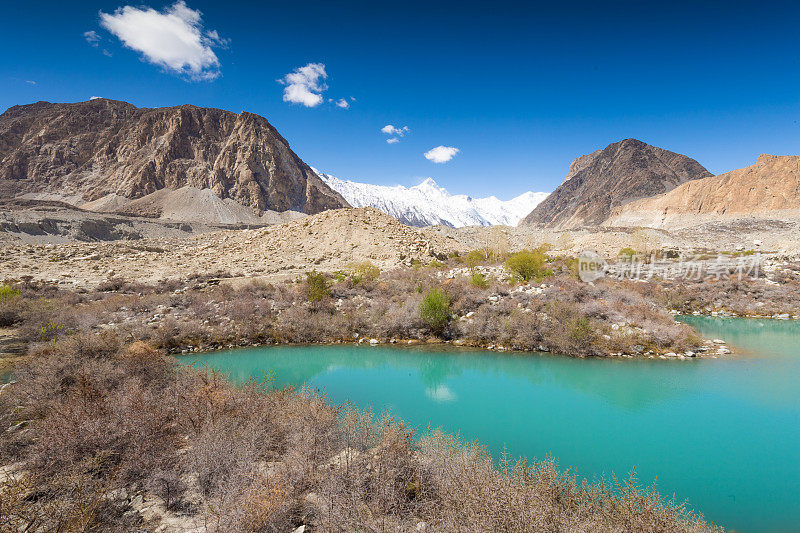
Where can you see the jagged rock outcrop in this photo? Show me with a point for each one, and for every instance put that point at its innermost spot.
(767, 190)
(105, 153)
(622, 172)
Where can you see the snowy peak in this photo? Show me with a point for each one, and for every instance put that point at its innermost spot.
(428, 204)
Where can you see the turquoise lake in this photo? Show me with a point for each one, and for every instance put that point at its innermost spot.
(723, 434)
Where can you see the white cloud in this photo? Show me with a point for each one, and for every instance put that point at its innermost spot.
(344, 104)
(441, 154)
(173, 39)
(30, 82)
(91, 37)
(305, 85)
(95, 98)
(393, 140)
(392, 130)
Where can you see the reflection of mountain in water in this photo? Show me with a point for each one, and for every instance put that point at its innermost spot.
(629, 384)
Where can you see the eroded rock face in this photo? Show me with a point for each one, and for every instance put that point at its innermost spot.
(85, 151)
(770, 189)
(622, 172)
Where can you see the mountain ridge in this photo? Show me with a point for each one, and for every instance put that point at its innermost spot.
(770, 188)
(86, 151)
(619, 173)
(428, 204)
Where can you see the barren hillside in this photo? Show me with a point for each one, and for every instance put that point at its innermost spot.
(770, 189)
(596, 183)
(105, 154)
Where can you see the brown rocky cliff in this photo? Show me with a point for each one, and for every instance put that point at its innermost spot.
(623, 171)
(768, 189)
(88, 150)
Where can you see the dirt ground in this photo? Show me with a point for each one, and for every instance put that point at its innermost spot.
(77, 249)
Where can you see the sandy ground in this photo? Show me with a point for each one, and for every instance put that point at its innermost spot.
(74, 248)
(328, 241)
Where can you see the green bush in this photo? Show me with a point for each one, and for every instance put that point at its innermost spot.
(529, 265)
(627, 252)
(317, 286)
(365, 271)
(51, 330)
(7, 292)
(474, 258)
(434, 310)
(479, 280)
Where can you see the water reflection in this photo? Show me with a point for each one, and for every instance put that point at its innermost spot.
(628, 384)
(722, 433)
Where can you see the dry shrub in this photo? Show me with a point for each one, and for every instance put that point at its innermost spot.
(471, 492)
(305, 324)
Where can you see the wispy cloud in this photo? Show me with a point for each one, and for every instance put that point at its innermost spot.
(30, 82)
(389, 129)
(396, 133)
(344, 104)
(92, 37)
(174, 38)
(441, 154)
(305, 85)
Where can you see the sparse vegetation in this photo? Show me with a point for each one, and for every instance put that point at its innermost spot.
(206, 314)
(101, 415)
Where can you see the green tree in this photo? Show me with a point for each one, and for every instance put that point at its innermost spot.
(317, 286)
(434, 310)
(529, 265)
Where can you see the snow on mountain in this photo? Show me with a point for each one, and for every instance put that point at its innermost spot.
(427, 204)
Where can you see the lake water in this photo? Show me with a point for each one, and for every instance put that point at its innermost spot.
(722, 433)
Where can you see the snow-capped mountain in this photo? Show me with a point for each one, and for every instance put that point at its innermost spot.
(427, 204)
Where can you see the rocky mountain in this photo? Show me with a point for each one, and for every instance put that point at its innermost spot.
(186, 162)
(598, 182)
(428, 204)
(770, 189)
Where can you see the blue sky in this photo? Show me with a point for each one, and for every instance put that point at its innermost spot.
(520, 89)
